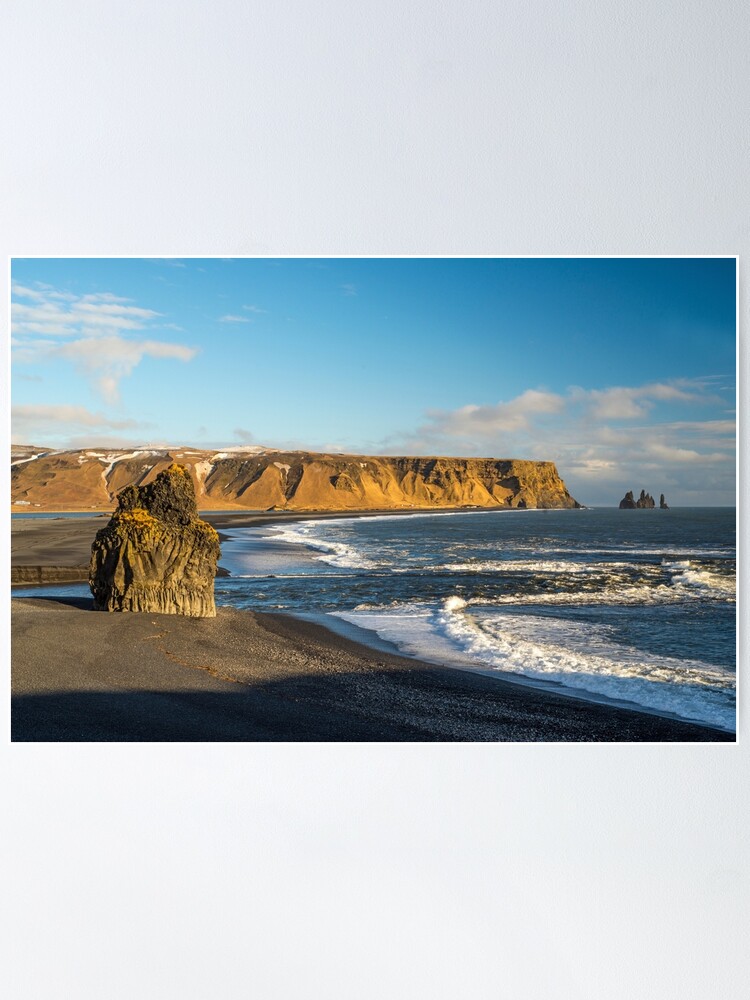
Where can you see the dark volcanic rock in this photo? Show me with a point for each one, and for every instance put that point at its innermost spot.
(663, 505)
(644, 502)
(156, 554)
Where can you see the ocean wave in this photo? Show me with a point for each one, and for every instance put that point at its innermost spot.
(674, 578)
(556, 566)
(703, 582)
(553, 549)
(644, 594)
(579, 656)
(334, 553)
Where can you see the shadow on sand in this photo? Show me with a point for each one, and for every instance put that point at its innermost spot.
(82, 603)
(391, 707)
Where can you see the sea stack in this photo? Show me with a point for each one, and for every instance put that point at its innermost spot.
(156, 554)
(663, 505)
(644, 502)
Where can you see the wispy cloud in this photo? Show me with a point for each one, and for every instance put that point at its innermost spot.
(255, 309)
(166, 261)
(348, 288)
(229, 318)
(55, 425)
(108, 359)
(94, 331)
(50, 313)
(474, 421)
(635, 402)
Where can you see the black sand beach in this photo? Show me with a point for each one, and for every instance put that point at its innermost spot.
(85, 675)
(243, 676)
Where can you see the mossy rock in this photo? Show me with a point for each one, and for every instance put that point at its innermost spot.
(155, 554)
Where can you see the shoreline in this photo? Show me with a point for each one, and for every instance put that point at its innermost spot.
(79, 675)
(66, 540)
(341, 627)
(49, 550)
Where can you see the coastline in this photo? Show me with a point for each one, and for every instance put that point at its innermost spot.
(56, 548)
(50, 550)
(80, 675)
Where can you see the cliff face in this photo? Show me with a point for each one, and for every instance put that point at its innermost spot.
(156, 554)
(232, 480)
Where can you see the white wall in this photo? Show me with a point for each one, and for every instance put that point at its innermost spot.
(385, 871)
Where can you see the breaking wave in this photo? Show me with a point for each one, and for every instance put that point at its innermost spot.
(335, 553)
(580, 656)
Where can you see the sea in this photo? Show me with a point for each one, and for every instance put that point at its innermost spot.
(635, 607)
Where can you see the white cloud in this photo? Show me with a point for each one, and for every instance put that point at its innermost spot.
(51, 313)
(635, 402)
(348, 288)
(92, 331)
(474, 421)
(108, 359)
(40, 424)
(672, 454)
(234, 319)
(594, 436)
(255, 309)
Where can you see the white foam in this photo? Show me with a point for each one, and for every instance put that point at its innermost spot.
(664, 583)
(627, 550)
(577, 655)
(337, 554)
(703, 582)
(454, 603)
(522, 566)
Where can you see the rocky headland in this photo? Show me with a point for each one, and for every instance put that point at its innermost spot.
(156, 554)
(258, 479)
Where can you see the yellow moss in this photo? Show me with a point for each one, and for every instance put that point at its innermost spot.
(205, 528)
(138, 517)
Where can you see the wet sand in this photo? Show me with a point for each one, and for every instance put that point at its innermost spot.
(53, 542)
(79, 675)
(57, 550)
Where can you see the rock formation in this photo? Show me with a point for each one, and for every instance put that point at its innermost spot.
(644, 502)
(156, 554)
(663, 505)
(256, 479)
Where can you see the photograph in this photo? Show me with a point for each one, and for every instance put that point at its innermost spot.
(373, 499)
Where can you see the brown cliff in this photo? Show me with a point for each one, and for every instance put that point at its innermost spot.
(236, 480)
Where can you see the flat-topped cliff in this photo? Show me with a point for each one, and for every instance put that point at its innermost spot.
(262, 479)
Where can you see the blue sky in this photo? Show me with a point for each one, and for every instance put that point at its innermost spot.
(620, 370)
